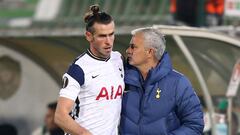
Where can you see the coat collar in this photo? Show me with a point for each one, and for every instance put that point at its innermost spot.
(134, 77)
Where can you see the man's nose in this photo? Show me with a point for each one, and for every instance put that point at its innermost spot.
(108, 39)
(128, 50)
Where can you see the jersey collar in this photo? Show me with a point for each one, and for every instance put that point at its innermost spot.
(96, 57)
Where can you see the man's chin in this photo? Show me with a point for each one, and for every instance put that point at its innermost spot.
(131, 63)
(108, 52)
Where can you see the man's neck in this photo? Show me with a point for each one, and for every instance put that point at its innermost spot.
(144, 69)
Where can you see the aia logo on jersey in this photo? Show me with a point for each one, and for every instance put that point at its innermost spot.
(115, 93)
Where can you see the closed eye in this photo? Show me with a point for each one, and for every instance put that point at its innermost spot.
(132, 46)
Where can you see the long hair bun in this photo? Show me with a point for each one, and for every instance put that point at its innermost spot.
(93, 10)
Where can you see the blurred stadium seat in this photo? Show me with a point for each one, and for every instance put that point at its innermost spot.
(125, 12)
(14, 9)
(17, 8)
(137, 13)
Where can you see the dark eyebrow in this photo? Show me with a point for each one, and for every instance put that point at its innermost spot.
(111, 33)
(104, 35)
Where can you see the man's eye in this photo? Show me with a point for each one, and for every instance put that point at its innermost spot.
(102, 36)
(132, 46)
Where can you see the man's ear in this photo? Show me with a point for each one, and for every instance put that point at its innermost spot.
(151, 52)
(89, 36)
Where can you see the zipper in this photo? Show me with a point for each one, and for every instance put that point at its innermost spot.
(142, 98)
(142, 102)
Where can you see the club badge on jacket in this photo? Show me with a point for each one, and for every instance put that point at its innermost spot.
(158, 94)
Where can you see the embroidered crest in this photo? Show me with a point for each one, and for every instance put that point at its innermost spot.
(158, 94)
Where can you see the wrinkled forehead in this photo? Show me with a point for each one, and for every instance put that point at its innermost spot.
(137, 39)
(138, 36)
(100, 28)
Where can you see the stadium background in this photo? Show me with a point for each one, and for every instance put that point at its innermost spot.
(39, 38)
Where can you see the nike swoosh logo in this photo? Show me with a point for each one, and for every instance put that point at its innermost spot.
(94, 76)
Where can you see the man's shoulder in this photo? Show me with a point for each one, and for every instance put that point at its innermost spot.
(38, 131)
(116, 54)
(179, 77)
(175, 74)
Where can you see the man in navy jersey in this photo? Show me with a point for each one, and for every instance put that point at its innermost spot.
(93, 84)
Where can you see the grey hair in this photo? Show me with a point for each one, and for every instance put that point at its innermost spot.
(153, 38)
